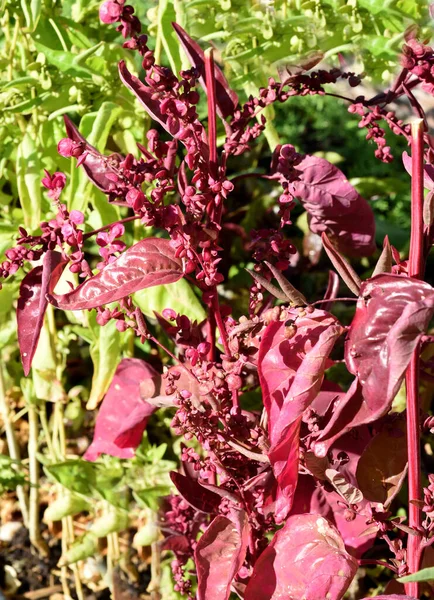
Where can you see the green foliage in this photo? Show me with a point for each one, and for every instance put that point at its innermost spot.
(422, 575)
(11, 474)
(252, 35)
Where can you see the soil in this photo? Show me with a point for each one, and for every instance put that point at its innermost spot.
(37, 574)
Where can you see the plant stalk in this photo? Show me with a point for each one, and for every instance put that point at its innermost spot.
(415, 269)
(212, 113)
(34, 526)
(14, 450)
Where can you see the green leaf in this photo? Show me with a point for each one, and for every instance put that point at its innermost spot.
(11, 474)
(111, 521)
(166, 16)
(19, 82)
(7, 236)
(105, 352)
(32, 11)
(27, 106)
(46, 384)
(76, 475)
(110, 484)
(8, 333)
(64, 506)
(422, 575)
(65, 62)
(151, 497)
(29, 172)
(82, 548)
(178, 296)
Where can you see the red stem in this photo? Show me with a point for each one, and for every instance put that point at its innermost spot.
(126, 220)
(220, 324)
(369, 561)
(416, 258)
(212, 114)
(415, 269)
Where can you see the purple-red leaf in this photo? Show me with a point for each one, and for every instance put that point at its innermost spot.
(123, 414)
(428, 171)
(32, 304)
(334, 206)
(95, 164)
(392, 314)
(146, 98)
(342, 266)
(220, 554)
(350, 410)
(332, 290)
(384, 263)
(144, 93)
(226, 98)
(382, 466)
(306, 559)
(146, 264)
(392, 597)
(196, 495)
(293, 356)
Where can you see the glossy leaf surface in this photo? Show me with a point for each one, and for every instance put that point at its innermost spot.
(306, 559)
(149, 262)
(392, 314)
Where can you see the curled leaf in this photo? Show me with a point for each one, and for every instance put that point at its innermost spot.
(96, 166)
(32, 304)
(428, 209)
(220, 554)
(332, 290)
(293, 356)
(384, 263)
(428, 171)
(293, 295)
(306, 559)
(226, 98)
(148, 263)
(344, 488)
(267, 285)
(196, 495)
(145, 95)
(334, 206)
(342, 266)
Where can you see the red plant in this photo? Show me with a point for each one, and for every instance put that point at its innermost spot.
(301, 461)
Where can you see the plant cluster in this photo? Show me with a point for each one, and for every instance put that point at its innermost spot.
(308, 476)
